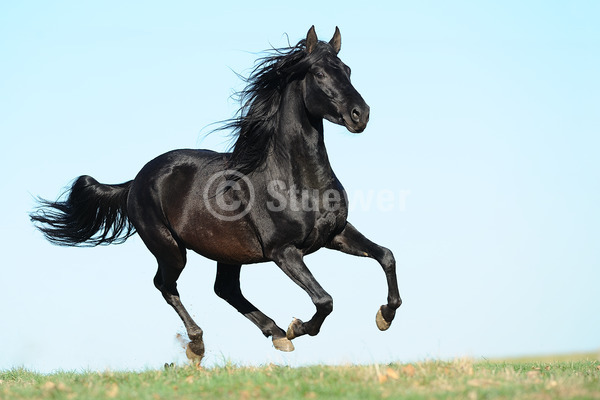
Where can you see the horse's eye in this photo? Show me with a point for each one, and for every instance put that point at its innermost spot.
(319, 74)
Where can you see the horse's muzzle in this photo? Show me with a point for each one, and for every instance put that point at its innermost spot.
(359, 117)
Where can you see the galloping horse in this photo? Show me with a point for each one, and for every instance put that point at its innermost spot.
(274, 197)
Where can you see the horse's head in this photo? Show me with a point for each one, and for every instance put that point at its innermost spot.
(328, 92)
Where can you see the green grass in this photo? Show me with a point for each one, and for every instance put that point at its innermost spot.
(460, 379)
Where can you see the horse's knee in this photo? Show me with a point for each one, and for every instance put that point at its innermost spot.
(387, 259)
(221, 290)
(158, 281)
(225, 290)
(324, 304)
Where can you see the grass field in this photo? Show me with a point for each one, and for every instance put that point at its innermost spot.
(577, 378)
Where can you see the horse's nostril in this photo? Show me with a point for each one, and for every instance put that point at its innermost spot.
(355, 115)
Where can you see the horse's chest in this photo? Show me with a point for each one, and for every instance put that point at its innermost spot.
(305, 218)
(325, 225)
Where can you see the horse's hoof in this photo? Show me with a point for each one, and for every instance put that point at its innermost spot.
(283, 344)
(293, 329)
(382, 324)
(194, 353)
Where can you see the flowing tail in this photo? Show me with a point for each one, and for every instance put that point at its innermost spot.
(92, 214)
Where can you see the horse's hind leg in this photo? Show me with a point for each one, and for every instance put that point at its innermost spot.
(227, 287)
(165, 281)
(171, 257)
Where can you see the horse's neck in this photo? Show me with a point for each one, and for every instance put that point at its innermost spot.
(299, 150)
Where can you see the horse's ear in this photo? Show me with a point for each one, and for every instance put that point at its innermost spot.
(336, 40)
(311, 39)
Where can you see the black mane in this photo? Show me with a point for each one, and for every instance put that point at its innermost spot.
(256, 122)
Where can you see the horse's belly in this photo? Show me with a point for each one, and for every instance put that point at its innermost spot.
(223, 241)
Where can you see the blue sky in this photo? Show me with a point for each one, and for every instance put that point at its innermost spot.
(484, 133)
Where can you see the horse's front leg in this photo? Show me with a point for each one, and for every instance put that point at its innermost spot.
(351, 241)
(290, 261)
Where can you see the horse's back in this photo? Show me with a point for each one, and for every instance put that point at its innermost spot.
(165, 177)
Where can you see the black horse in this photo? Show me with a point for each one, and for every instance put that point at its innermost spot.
(274, 198)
